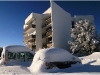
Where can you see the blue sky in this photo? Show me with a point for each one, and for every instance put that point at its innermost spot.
(14, 13)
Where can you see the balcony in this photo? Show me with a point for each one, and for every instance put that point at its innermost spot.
(49, 33)
(24, 33)
(49, 45)
(46, 23)
(49, 29)
(49, 40)
(48, 19)
(30, 40)
(27, 38)
(30, 18)
(31, 47)
(29, 26)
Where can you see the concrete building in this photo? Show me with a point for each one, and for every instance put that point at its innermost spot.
(50, 29)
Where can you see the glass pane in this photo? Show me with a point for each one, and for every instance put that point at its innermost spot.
(29, 55)
(11, 55)
(21, 55)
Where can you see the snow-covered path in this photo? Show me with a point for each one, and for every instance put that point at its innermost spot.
(14, 70)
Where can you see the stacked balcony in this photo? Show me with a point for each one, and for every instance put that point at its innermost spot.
(30, 38)
(47, 33)
(46, 22)
(30, 26)
(32, 47)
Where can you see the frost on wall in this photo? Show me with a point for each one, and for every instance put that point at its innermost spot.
(85, 38)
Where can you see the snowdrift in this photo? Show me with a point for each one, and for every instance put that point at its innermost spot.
(50, 55)
(93, 59)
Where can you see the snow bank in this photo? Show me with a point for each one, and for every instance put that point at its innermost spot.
(95, 55)
(1, 62)
(93, 59)
(14, 70)
(49, 55)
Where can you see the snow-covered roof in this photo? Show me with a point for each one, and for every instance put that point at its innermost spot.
(50, 55)
(16, 48)
(55, 54)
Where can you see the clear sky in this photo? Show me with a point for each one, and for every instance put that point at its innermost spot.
(14, 13)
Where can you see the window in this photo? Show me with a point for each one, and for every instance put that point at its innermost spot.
(29, 55)
(72, 24)
(11, 55)
(21, 55)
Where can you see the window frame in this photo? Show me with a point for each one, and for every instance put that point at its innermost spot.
(13, 57)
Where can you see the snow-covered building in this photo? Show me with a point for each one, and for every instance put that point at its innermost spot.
(50, 29)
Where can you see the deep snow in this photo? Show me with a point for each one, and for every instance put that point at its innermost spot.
(91, 66)
(50, 55)
(14, 70)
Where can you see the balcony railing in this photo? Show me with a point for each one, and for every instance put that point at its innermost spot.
(30, 26)
(24, 33)
(48, 19)
(49, 39)
(49, 29)
(49, 45)
(30, 38)
(49, 33)
(46, 23)
(31, 47)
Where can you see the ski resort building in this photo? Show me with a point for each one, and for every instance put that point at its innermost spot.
(50, 29)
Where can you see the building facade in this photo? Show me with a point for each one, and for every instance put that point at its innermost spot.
(50, 29)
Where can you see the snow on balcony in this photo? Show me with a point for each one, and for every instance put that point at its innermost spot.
(25, 26)
(29, 19)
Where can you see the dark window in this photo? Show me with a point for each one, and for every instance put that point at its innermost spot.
(29, 55)
(11, 55)
(49, 39)
(72, 24)
(21, 55)
(1, 49)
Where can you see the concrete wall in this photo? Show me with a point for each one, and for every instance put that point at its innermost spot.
(38, 31)
(61, 22)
